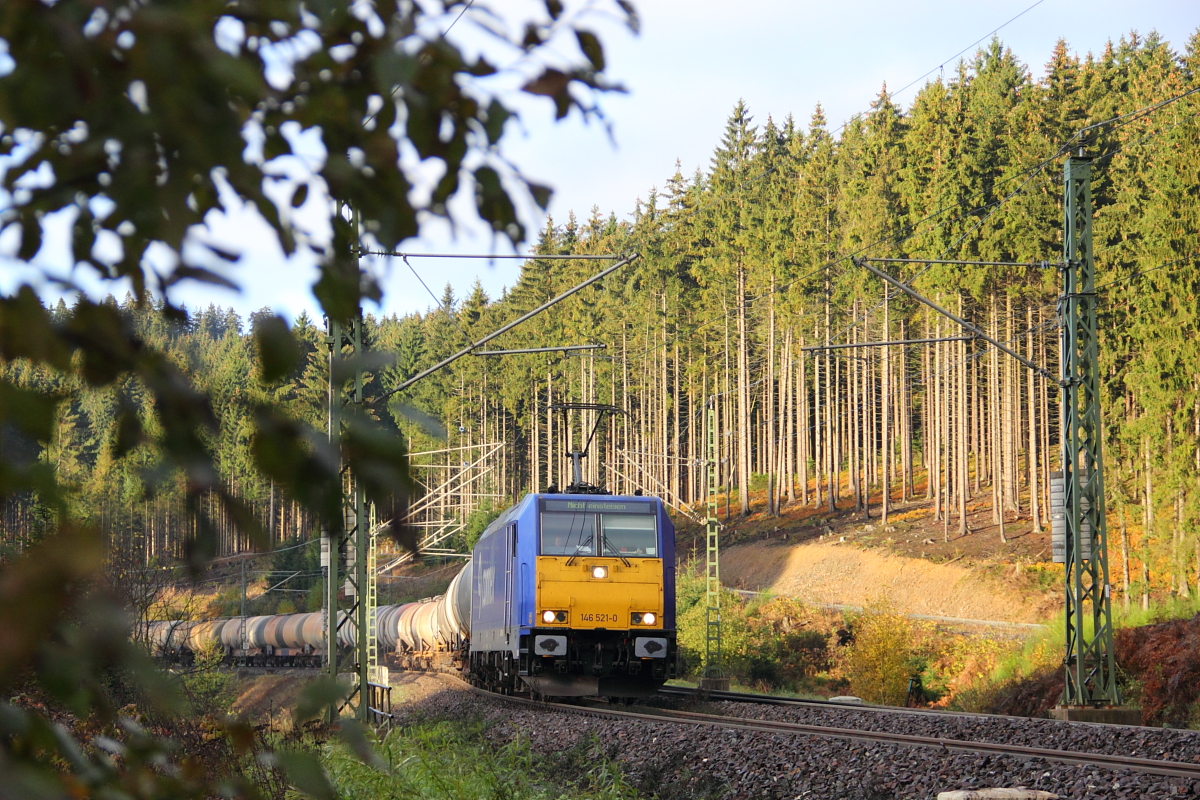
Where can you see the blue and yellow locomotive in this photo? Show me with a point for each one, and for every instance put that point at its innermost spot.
(574, 595)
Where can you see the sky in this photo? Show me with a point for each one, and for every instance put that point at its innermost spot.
(690, 64)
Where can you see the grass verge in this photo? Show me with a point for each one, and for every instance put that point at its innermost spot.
(444, 760)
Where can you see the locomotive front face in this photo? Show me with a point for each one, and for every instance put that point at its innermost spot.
(575, 595)
(603, 600)
(600, 565)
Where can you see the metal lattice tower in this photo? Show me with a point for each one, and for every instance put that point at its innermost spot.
(638, 475)
(712, 638)
(1089, 660)
(451, 493)
(349, 537)
(372, 600)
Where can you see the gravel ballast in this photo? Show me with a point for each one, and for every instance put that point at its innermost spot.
(672, 761)
(1162, 744)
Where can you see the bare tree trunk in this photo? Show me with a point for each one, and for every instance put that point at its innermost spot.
(933, 433)
(1046, 422)
(1181, 560)
(946, 426)
(837, 445)
(676, 462)
(852, 408)
(941, 450)
(977, 424)
(870, 409)
(788, 408)
(743, 397)
(962, 432)
(803, 426)
(885, 475)
(794, 424)
(1197, 553)
(1147, 524)
(769, 406)
(727, 427)
(1145, 576)
(866, 420)
(1032, 460)
(780, 467)
(1011, 496)
(999, 439)
(1124, 559)
(830, 413)
(905, 411)
(928, 412)
(818, 427)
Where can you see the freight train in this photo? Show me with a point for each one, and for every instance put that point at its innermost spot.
(565, 595)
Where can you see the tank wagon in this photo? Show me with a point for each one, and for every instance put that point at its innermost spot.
(564, 595)
(283, 640)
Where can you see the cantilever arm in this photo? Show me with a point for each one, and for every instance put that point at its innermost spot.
(908, 290)
(451, 359)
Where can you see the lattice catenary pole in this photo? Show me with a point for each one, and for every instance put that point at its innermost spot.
(712, 639)
(1089, 660)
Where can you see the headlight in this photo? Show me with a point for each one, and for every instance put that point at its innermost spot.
(547, 616)
(554, 616)
(648, 618)
(600, 572)
(643, 618)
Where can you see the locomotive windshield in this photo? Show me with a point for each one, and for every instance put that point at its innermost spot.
(567, 534)
(630, 535)
(591, 527)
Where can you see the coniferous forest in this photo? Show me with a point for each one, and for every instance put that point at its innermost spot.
(743, 266)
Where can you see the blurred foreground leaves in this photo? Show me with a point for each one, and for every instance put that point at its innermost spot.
(133, 121)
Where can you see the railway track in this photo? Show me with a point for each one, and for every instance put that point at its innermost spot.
(797, 702)
(1172, 769)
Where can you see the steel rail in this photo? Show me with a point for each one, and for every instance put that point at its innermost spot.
(1174, 769)
(776, 700)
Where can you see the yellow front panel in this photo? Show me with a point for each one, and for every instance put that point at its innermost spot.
(599, 602)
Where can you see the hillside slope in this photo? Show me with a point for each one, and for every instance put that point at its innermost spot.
(843, 574)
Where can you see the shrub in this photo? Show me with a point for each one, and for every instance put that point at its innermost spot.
(227, 603)
(315, 599)
(735, 635)
(770, 642)
(792, 635)
(477, 523)
(209, 688)
(882, 658)
(961, 663)
(804, 654)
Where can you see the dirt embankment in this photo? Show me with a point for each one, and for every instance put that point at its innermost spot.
(840, 573)
(1160, 674)
(269, 698)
